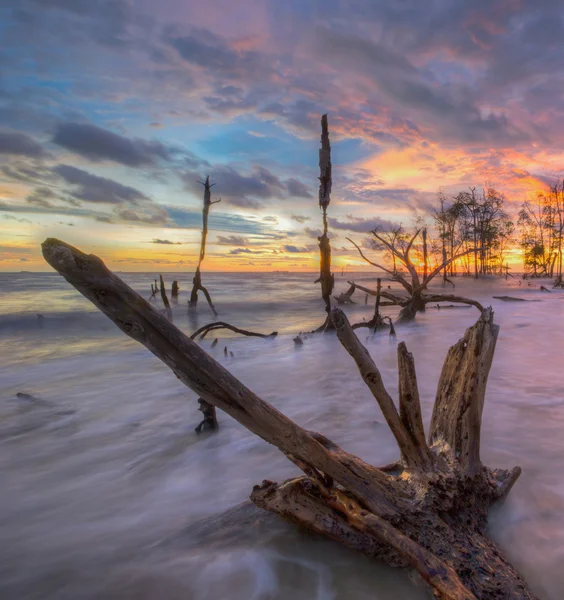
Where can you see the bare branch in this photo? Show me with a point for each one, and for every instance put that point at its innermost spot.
(395, 275)
(203, 331)
(371, 375)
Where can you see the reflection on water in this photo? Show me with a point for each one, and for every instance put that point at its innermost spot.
(101, 465)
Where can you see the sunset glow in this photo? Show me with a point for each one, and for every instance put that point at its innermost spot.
(110, 116)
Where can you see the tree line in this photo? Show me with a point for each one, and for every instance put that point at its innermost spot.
(475, 225)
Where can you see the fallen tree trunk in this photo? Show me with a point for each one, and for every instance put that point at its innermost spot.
(510, 299)
(428, 511)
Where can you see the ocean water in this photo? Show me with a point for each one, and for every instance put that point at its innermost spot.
(107, 492)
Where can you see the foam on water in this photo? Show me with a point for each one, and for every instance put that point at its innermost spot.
(104, 464)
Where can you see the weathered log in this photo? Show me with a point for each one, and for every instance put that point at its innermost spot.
(433, 298)
(428, 511)
(544, 289)
(203, 331)
(510, 299)
(198, 275)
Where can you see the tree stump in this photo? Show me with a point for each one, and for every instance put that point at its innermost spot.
(427, 512)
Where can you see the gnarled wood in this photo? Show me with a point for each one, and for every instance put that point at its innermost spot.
(457, 414)
(428, 511)
(417, 298)
(210, 380)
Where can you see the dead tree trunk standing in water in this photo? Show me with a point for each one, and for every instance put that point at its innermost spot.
(417, 299)
(326, 278)
(427, 512)
(164, 298)
(198, 276)
(174, 292)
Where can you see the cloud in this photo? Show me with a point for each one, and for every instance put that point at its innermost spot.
(148, 215)
(42, 197)
(99, 144)
(19, 144)
(313, 233)
(93, 188)
(361, 225)
(300, 219)
(295, 249)
(232, 240)
(12, 218)
(251, 189)
(166, 242)
(245, 251)
(183, 218)
(298, 188)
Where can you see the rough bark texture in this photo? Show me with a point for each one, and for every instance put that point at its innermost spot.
(427, 512)
(326, 278)
(198, 275)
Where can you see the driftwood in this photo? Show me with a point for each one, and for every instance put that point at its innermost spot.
(326, 278)
(203, 331)
(428, 511)
(544, 289)
(164, 298)
(510, 299)
(198, 276)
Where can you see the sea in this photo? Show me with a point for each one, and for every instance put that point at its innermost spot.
(107, 492)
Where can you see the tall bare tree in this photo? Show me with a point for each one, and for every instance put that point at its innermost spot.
(326, 278)
(192, 303)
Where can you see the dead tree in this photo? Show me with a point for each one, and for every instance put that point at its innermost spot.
(377, 321)
(428, 511)
(326, 278)
(174, 292)
(417, 299)
(164, 298)
(198, 276)
(154, 290)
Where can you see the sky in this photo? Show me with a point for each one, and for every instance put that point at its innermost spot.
(113, 111)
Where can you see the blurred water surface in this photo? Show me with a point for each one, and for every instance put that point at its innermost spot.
(104, 466)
